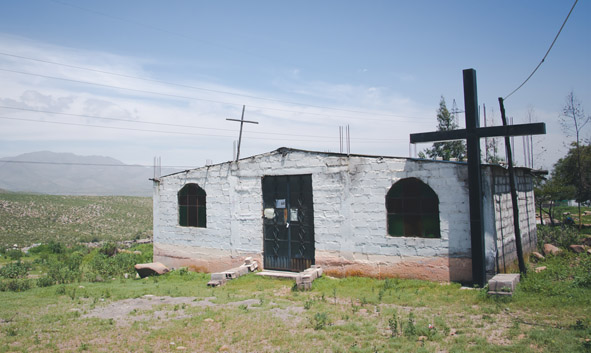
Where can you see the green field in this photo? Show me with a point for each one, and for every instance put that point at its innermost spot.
(28, 219)
(66, 297)
(550, 312)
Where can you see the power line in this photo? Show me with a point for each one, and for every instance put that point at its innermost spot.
(167, 124)
(208, 89)
(547, 52)
(183, 133)
(92, 164)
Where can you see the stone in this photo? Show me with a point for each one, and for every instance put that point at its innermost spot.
(248, 261)
(540, 269)
(551, 249)
(537, 255)
(208, 320)
(151, 269)
(579, 249)
(586, 241)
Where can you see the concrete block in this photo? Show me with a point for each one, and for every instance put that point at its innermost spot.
(248, 261)
(218, 276)
(503, 283)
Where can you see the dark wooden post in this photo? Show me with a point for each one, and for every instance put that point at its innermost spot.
(474, 178)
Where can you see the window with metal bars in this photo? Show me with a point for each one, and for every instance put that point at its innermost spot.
(192, 207)
(413, 210)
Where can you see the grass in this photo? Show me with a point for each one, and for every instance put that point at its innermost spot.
(52, 299)
(550, 312)
(28, 219)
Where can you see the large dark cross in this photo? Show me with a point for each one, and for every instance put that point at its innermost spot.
(472, 134)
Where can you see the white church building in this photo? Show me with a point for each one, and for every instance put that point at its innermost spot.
(351, 214)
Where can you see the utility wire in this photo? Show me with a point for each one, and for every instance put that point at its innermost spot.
(183, 133)
(193, 98)
(547, 52)
(94, 164)
(208, 89)
(175, 125)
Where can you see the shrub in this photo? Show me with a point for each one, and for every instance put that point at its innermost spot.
(15, 285)
(14, 254)
(15, 270)
(560, 236)
(108, 249)
(583, 272)
(45, 282)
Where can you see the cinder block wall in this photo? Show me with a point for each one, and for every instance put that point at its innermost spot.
(349, 215)
(502, 243)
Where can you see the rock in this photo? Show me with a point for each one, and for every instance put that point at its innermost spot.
(540, 269)
(208, 320)
(224, 348)
(589, 251)
(151, 269)
(551, 249)
(579, 249)
(537, 255)
(422, 338)
(586, 241)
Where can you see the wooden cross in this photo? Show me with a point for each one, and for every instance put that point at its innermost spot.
(242, 121)
(472, 134)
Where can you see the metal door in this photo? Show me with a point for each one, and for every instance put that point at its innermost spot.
(288, 222)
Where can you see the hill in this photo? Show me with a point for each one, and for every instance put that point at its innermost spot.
(70, 174)
(27, 219)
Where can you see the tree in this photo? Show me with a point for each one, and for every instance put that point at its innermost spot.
(573, 120)
(445, 150)
(547, 193)
(574, 170)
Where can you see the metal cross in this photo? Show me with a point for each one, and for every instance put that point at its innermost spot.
(242, 121)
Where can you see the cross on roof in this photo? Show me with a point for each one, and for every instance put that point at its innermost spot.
(472, 134)
(242, 121)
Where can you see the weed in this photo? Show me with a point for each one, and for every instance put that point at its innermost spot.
(243, 307)
(320, 321)
(393, 324)
(308, 304)
(410, 329)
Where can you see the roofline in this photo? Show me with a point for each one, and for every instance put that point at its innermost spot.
(285, 150)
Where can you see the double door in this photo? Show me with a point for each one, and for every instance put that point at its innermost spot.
(288, 222)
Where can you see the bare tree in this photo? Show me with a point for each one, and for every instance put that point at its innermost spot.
(573, 120)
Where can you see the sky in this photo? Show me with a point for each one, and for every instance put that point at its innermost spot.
(135, 80)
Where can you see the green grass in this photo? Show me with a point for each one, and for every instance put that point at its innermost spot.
(549, 313)
(28, 219)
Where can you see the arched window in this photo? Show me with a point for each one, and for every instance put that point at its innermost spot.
(413, 210)
(192, 206)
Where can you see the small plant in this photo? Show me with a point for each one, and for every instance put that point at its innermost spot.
(320, 321)
(393, 324)
(308, 304)
(410, 329)
(243, 307)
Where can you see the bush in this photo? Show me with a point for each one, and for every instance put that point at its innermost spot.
(114, 266)
(14, 254)
(15, 270)
(583, 272)
(15, 285)
(108, 249)
(45, 282)
(560, 236)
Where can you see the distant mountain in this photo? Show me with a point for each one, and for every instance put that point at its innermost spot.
(70, 174)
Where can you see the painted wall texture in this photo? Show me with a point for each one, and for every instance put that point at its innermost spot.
(350, 218)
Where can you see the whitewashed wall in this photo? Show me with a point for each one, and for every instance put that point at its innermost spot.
(349, 215)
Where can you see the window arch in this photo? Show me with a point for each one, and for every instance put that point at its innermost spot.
(413, 210)
(192, 206)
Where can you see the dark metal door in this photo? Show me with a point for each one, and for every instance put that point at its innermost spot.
(288, 222)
